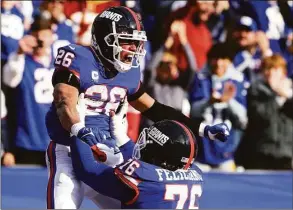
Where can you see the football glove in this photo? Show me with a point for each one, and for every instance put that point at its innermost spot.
(86, 134)
(95, 138)
(214, 132)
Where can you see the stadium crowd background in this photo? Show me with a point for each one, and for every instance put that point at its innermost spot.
(221, 61)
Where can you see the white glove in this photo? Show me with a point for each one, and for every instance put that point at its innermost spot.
(118, 124)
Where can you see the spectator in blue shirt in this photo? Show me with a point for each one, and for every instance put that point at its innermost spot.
(12, 29)
(218, 95)
(252, 46)
(61, 26)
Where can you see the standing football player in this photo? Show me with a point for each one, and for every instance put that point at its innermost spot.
(106, 72)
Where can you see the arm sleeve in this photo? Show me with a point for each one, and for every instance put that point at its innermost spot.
(99, 176)
(62, 75)
(137, 94)
(13, 70)
(160, 111)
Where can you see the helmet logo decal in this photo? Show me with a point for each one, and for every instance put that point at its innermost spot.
(111, 15)
(158, 136)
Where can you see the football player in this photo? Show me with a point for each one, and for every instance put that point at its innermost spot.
(106, 72)
(157, 171)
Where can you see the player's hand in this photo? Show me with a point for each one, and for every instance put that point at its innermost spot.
(86, 135)
(118, 124)
(215, 132)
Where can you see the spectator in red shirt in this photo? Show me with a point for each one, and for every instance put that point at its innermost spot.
(194, 15)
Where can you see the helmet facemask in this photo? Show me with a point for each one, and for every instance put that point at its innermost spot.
(140, 144)
(114, 39)
(166, 144)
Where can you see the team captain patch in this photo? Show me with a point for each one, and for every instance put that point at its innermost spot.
(111, 15)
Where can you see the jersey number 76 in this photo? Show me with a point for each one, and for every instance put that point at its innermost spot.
(183, 191)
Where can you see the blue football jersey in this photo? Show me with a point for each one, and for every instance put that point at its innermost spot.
(33, 97)
(137, 184)
(101, 94)
(159, 188)
(12, 30)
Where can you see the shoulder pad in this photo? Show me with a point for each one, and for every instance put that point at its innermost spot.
(72, 57)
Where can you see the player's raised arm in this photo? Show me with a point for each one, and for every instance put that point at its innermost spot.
(157, 111)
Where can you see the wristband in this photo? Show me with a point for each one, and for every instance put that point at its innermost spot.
(201, 129)
(76, 128)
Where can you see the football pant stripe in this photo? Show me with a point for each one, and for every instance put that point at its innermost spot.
(50, 187)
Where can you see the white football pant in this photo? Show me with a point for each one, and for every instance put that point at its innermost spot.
(64, 190)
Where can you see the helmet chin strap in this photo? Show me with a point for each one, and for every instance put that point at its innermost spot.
(121, 67)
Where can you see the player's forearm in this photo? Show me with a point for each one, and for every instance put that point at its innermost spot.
(161, 112)
(83, 161)
(127, 150)
(62, 113)
(65, 100)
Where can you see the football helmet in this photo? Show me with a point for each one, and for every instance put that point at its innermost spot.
(114, 26)
(167, 144)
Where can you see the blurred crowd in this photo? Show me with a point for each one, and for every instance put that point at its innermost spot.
(218, 61)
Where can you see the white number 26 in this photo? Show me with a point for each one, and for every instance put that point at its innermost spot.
(64, 58)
